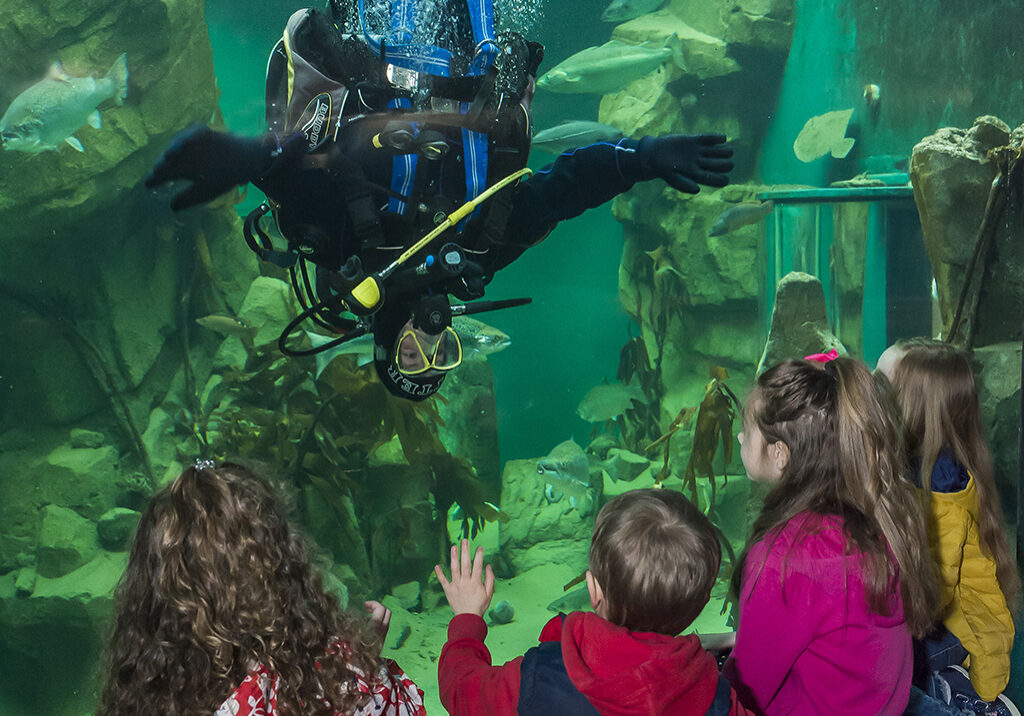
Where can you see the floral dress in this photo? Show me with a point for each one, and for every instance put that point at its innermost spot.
(392, 694)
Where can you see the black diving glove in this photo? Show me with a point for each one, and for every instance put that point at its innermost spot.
(215, 162)
(686, 160)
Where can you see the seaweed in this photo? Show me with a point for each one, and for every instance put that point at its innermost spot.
(715, 416)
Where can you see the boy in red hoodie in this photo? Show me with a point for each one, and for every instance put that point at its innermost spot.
(653, 560)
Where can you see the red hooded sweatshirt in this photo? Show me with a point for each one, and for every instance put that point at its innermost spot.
(622, 673)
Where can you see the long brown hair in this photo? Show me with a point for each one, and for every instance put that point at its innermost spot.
(218, 582)
(937, 395)
(845, 460)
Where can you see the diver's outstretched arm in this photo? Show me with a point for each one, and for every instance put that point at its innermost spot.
(587, 177)
(215, 162)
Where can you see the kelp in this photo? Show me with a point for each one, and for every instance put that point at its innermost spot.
(715, 416)
(322, 432)
(714, 424)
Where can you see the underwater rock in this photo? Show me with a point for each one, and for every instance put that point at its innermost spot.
(502, 613)
(66, 541)
(167, 47)
(25, 582)
(116, 528)
(952, 172)
(408, 595)
(540, 532)
(56, 634)
(625, 466)
(82, 438)
(799, 321)
(268, 307)
(997, 372)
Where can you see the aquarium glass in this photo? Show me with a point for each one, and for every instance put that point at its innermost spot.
(876, 196)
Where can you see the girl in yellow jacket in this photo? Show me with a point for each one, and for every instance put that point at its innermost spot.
(951, 463)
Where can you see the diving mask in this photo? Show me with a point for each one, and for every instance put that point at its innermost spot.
(420, 353)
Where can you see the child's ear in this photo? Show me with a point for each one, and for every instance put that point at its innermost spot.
(780, 455)
(596, 594)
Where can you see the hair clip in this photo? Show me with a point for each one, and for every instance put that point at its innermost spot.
(823, 357)
(202, 464)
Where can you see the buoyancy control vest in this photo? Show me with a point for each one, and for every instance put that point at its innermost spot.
(370, 112)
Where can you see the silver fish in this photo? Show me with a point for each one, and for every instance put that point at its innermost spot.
(622, 10)
(478, 339)
(228, 326)
(749, 212)
(566, 470)
(610, 67)
(572, 134)
(608, 401)
(53, 109)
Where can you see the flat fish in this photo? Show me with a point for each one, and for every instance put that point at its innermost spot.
(608, 401)
(749, 212)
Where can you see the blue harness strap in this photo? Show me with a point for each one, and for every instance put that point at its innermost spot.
(403, 169)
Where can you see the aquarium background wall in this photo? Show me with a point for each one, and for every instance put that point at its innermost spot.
(111, 379)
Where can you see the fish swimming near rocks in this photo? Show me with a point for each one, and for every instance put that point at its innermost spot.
(229, 326)
(478, 340)
(566, 470)
(744, 214)
(572, 134)
(824, 134)
(608, 68)
(53, 109)
(608, 401)
(575, 600)
(622, 10)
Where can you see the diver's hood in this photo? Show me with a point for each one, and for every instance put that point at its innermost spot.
(410, 387)
(387, 324)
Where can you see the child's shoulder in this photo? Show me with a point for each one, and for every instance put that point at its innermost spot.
(809, 535)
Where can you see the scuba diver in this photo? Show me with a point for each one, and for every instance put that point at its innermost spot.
(394, 163)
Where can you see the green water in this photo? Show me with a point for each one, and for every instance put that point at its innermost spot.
(100, 286)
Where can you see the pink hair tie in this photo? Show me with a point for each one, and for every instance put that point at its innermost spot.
(823, 357)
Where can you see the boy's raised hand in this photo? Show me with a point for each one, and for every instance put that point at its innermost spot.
(471, 586)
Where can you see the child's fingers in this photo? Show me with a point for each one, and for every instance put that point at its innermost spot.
(465, 559)
(489, 582)
(478, 564)
(455, 562)
(441, 578)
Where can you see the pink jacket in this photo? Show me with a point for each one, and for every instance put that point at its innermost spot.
(808, 644)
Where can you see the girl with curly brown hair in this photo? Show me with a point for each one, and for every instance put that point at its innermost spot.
(220, 612)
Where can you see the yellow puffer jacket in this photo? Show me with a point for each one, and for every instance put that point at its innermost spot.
(975, 609)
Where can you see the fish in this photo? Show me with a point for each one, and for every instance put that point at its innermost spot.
(608, 401)
(622, 10)
(228, 326)
(575, 600)
(743, 214)
(478, 339)
(824, 134)
(52, 110)
(572, 134)
(479, 336)
(566, 470)
(608, 68)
